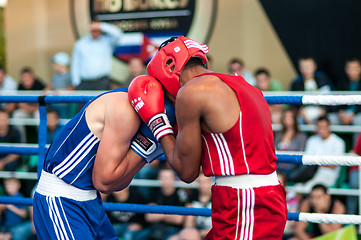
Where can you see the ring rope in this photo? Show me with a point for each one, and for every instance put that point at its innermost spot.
(164, 209)
(282, 158)
(315, 100)
(299, 100)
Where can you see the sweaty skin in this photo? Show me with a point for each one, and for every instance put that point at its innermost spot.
(112, 119)
(203, 103)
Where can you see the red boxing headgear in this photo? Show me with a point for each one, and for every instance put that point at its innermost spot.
(169, 61)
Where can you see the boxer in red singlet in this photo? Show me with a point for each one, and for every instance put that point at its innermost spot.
(224, 127)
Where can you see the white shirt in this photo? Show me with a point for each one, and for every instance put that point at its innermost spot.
(9, 84)
(333, 145)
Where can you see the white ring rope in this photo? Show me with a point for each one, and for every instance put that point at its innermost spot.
(331, 160)
(330, 218)
(331, 100)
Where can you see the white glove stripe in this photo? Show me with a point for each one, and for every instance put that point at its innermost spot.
(160, 126)
(163, 133)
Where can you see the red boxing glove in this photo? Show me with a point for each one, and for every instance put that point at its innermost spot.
(146, 96)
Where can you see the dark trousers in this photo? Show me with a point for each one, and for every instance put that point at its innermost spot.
(95, 84)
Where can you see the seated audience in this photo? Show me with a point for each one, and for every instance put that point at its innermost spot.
(310, 80)
(265, 82)
(290, 138)
(353, 180)
(163, 226)
(237, 67)
(148, 171)
(7, 83)
(61, 80)
(201, 223)
(319, 201)
(15, 217)
(53, 126)
(28, 82)
(128, 225)
(349, 114)
(8, 134)
(136, 67)
(189, 234)
(324, 143)
(292, 200)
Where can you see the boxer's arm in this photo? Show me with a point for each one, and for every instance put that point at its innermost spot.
(184, 155)
(115, 165)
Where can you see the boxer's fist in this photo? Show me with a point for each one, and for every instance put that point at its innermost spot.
(144, 144)
(146, 96)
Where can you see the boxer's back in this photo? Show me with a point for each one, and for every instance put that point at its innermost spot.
(247, 146)
(71, 156)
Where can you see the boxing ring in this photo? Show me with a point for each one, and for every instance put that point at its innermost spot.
(300, 159)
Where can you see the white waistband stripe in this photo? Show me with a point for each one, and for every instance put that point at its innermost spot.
(247, 180)
(52, 186)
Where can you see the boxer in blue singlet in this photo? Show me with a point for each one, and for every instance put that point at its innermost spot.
(100, 149)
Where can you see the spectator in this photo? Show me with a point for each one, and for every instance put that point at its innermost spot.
(8, 134)
(15, 216)
(189, 234)
(350, 114)
(92, 57)
(310, 80)
(162, 225)
(237, 67)
(28, 82)
(265, 82)
(149, 171)
(7, 83)
(289, 138)
(202, 224)
(324, 143)
(292, 200)
(128, 225)
(136, 67)
(53, 126)
(353, 179)
(319, 201)
(61, 80)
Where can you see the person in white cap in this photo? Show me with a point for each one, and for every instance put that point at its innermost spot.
(61, 80)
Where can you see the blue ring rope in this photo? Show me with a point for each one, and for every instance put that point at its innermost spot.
(138, 208)
(284, 99)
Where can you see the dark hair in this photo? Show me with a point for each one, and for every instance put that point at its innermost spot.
(319, 186)
(26, 70)
(353, 59)
(193, 62)
(2, 110)
(166, 42)
(262, 71)
(236, 60)
(295, 125)
(307, 58)
(51, 110)
(323, 118)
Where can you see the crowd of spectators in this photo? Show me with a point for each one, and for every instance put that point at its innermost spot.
(82, 71)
